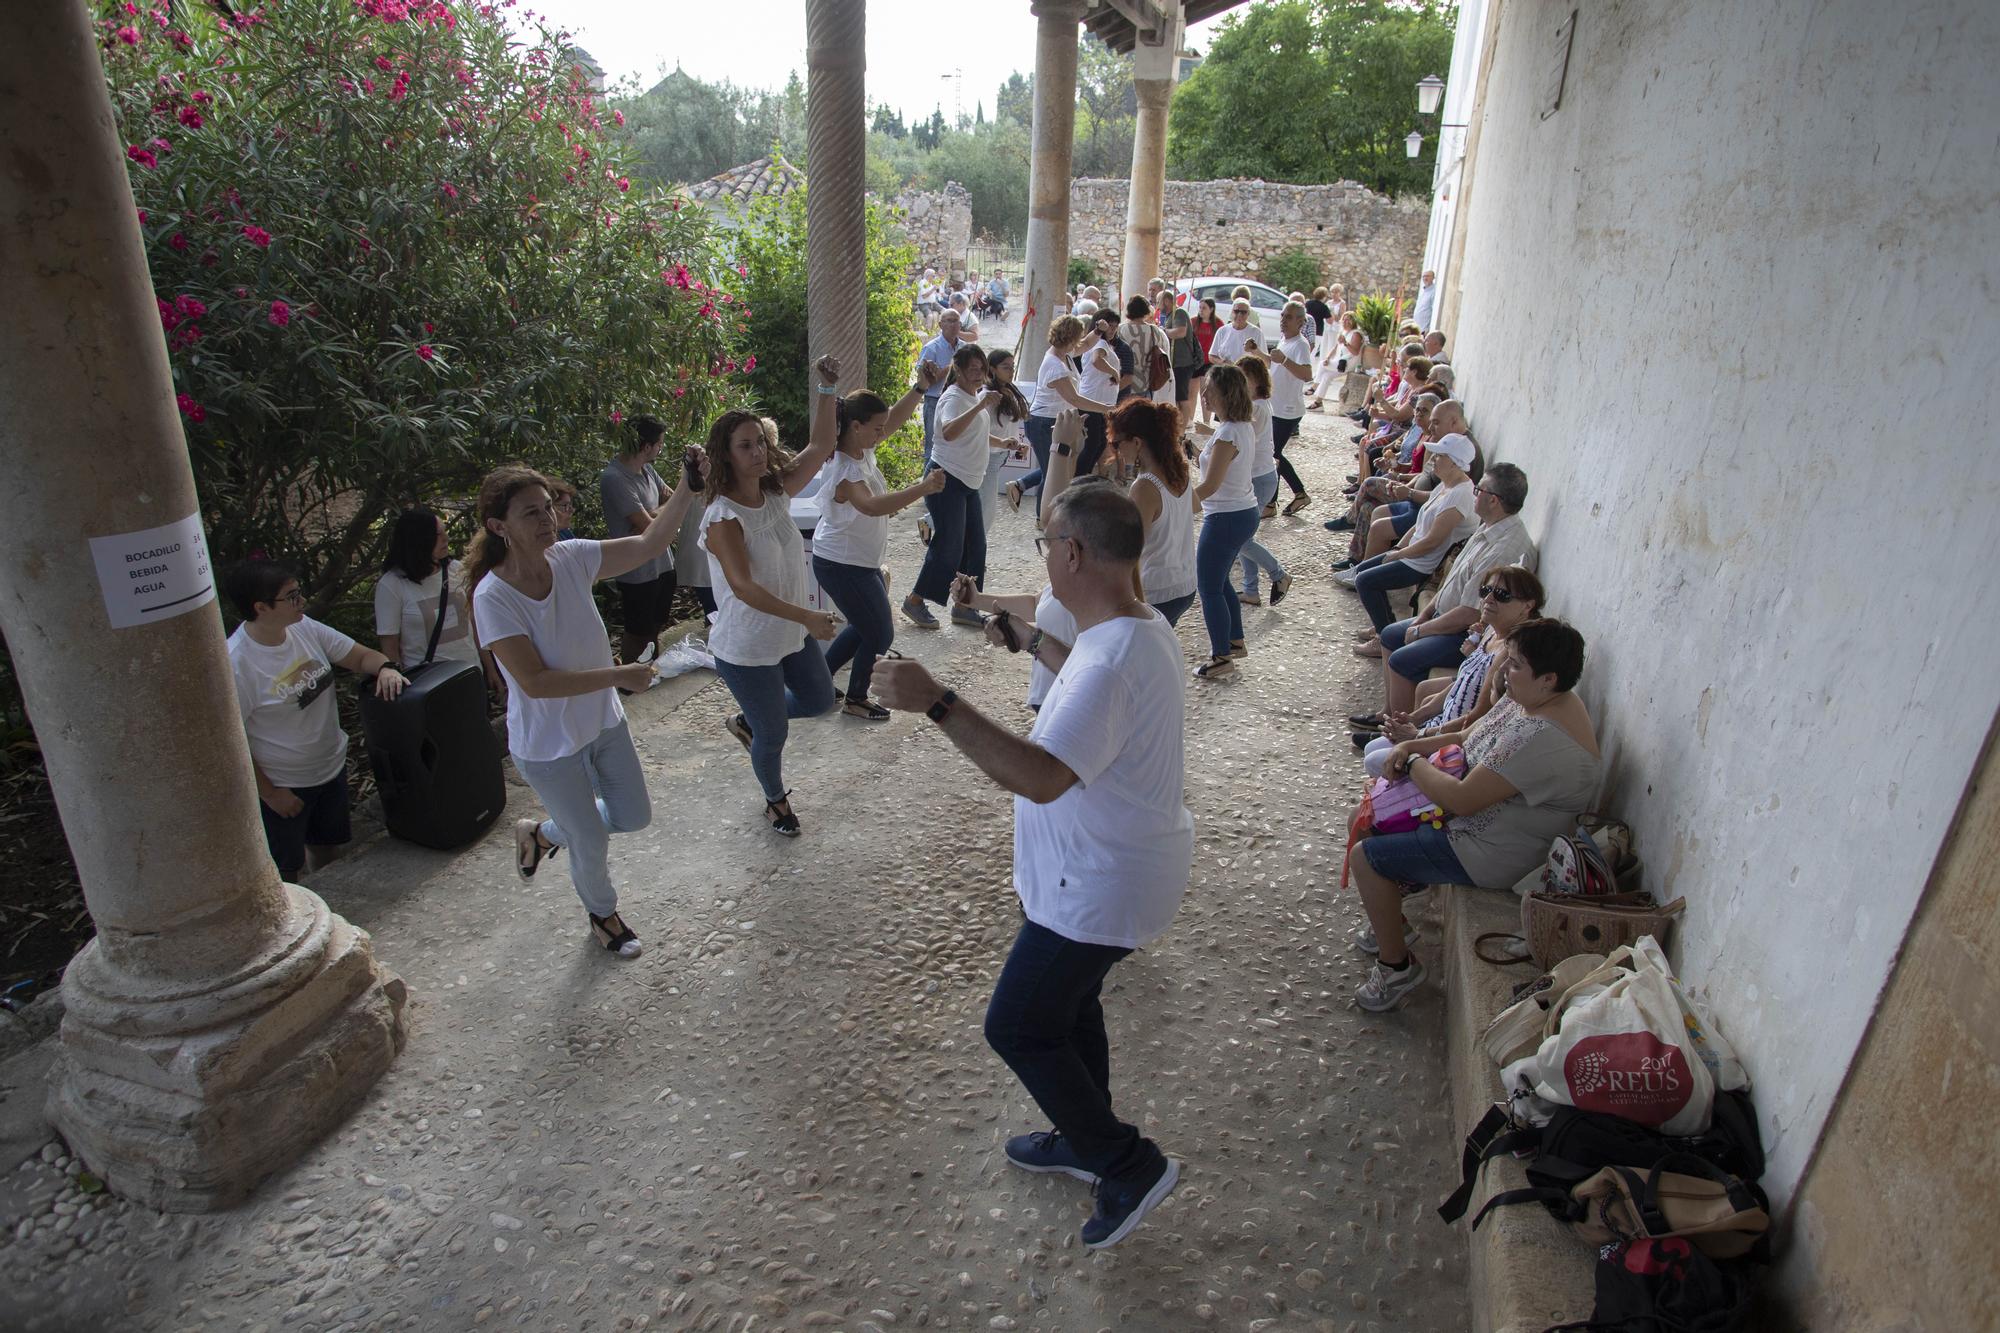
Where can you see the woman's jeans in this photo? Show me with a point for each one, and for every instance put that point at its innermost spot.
(1375, 578)
(1415, 660)
(958, 541)
(1174, 608)
(1282, 431)
(770, 696)
(1041, 437)
(1222, 538)
(863, 599)
(590, 795)
(1254, 553)
(1046, 1020)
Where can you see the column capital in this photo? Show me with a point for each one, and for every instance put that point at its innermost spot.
(1055, 11)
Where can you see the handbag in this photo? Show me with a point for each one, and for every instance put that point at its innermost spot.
(1557, 925)
(1159, 369)
(1400, 806)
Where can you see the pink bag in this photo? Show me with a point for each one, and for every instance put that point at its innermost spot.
(1400, 808)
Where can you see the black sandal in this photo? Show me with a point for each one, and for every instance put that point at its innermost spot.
(612, 932)
(530, 847)
(866, 709)
(786, 823)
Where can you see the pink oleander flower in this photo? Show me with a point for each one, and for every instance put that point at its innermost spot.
(624, 184)
(450, 190)
(190, 409)
(201, 97)
(281, 314)
(368, 86)
(142, 217)
(384, 64)
(129, 35)
(749, 364)
(742, 270)
(189, 308)
(425, 351)
(190, 117)
(168, 315)
(401, 88)
(616, 416)
(257, 236)
(429, 327)
(178, 241)
(618, 117)
(141, 156)
(162, 145)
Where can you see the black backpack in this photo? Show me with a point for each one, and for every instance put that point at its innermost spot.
(1663, 1286)
(1575, 1145)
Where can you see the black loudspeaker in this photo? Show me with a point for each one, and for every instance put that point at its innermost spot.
(436, 759)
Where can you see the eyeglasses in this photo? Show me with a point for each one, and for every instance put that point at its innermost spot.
(295, 597)
(1042, 544)
(1500, 595)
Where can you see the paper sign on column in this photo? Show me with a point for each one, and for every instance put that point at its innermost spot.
(153, 575)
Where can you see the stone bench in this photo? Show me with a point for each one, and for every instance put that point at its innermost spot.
(1527, 1270)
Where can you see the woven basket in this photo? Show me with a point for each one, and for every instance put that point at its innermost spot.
(1558, 925)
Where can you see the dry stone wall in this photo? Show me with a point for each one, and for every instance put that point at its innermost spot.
(1363, 240)
(938, 223)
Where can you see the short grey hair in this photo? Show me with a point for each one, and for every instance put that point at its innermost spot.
(1101, 519)
(1509, 485)
(1427, 402)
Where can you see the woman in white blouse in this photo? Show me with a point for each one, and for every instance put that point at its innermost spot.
(1147, 436)
(763, 628)
(1229, 516)
(958, 525)
(1056, 388)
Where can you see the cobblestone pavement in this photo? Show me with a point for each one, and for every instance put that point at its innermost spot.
(784, 1116)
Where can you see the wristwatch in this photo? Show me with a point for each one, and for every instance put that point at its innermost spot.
(937, 710)
(1035, 643)
(1063, 449)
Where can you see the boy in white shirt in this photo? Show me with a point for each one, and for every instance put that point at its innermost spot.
(283, 665)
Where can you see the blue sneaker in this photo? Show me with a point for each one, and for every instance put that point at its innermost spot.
(1120, 1208)
(1047, 1152)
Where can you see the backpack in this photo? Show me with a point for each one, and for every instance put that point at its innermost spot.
(1575, 1146)
(1662, 1286)
(1683, 1197)
(1158, 368)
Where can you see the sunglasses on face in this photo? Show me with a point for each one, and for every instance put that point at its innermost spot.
(1500, 595)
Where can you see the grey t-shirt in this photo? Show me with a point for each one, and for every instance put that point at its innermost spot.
(1554, 779)
(623, 492)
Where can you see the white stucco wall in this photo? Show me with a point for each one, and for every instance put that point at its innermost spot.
(1733, 307)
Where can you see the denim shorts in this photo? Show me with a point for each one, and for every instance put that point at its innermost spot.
(1423, 856)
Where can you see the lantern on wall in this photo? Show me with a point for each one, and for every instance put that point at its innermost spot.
(1430, 89)
(1414, 144)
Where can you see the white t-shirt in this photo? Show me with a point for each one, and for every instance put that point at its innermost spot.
(742, 634)
(284, 696)
(1229, 340)
(1046, 402)
(1448, 504)
(1166, 565)
(1107, 861)
(410, 609)
(566, 631)
(1288, 391)
(844, 534)
(964, 457)
(1096, 383)
(1266, 458)
(1235, 492)
(1051, 617)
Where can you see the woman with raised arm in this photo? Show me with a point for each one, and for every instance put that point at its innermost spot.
(1056, 389)
(565, 726)
(762, 639)
(853, 535)
(1229, 516)
(1147, 436)
(958, 524)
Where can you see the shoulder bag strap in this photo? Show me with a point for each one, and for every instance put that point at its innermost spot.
(444, 602)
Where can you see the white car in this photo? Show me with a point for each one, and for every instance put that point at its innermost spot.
(1266, 301)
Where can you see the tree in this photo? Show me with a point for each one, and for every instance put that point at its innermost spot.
(888, 122)
(1016, 100)
(1107, 111)
(393, 249)
(1344, 72)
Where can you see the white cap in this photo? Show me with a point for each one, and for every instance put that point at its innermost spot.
(1458, 448)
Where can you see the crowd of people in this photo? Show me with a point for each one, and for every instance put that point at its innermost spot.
(1143, 507)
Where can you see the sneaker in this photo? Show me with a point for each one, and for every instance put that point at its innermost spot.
(1299, 501)
(739, 727)
(965, 615)
(1385, 989)
(1279, 587)
(1216, 668)
(1364, 938)
(1346, 577)
(1341, 524)
(1047, 1153)
(917, 613)
(1250, 599)
(1120, 1208)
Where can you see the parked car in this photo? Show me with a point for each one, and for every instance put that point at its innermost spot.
(1266, 301)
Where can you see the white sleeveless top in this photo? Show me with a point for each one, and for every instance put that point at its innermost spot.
(1166, 566)
(742, 634)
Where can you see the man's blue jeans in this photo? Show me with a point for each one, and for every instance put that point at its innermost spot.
(1046, 1020)
(1375, 578)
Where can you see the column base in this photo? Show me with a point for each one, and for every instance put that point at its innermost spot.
(186, 1102)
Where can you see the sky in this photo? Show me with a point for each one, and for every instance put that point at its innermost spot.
(914, 46)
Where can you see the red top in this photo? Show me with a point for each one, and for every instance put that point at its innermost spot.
(1204, 333)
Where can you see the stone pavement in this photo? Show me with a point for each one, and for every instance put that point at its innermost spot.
(783, 1115)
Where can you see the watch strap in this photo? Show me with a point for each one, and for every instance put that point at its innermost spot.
(937, 711)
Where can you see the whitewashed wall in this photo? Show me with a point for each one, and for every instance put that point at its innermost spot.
(1733, 306)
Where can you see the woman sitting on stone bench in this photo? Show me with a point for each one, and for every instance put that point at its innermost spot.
(1532, 767)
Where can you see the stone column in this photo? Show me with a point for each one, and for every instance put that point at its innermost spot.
(222, 1020)
(1155, 67)
(836, 169)
(1048, 176)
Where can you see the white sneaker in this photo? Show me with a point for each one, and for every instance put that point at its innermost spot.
(1385, 990)
(1364, 938)
(1345, 578)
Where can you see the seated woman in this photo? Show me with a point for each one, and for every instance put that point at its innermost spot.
(1508, 595)
(1532, 767)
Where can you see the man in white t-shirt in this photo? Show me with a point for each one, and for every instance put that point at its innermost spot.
(1447, 518)
(1427, 296)
(1102, 842)
(283, 665)
(1236, 337)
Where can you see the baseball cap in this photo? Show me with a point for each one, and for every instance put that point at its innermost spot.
(1458, 448)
